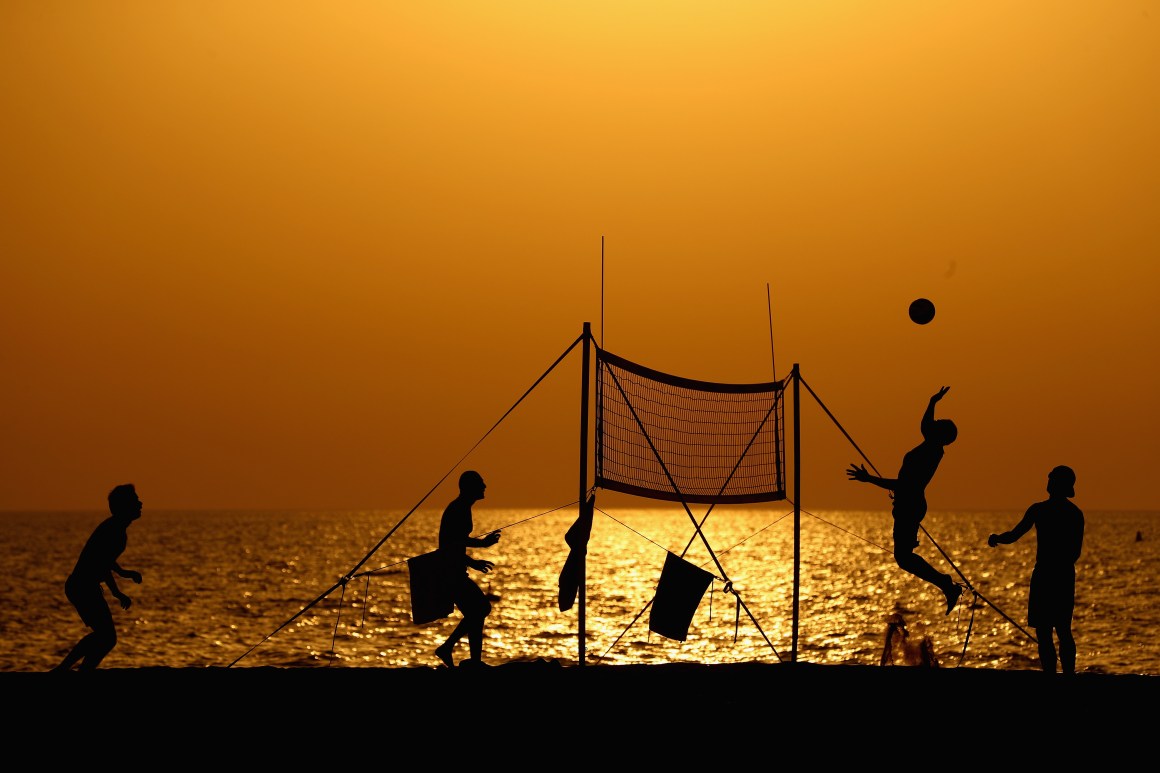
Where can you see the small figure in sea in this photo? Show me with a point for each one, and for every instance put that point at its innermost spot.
(908, 491)
(1059, 527)
(899, 645)
(95, 567)
(454, 538)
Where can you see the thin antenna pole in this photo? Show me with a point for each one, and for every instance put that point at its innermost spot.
(601, 291)
(769, 308)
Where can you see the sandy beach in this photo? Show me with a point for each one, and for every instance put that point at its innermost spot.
(536, 709)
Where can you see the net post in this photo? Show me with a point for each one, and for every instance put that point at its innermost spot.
(584, 378)
(797, 510)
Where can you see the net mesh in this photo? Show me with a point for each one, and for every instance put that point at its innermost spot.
(666, 437)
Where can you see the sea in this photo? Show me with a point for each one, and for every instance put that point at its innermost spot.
(309, 589)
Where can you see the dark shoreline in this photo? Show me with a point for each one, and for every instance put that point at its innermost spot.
(544, 702)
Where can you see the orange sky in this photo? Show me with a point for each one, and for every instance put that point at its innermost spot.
(302, 255)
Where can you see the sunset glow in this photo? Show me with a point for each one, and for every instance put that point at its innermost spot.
(301, 255)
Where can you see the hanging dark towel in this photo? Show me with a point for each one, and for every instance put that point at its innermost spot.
(430, 589)
(577, 539)
(678, 593)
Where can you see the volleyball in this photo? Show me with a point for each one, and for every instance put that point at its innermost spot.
(921, 311)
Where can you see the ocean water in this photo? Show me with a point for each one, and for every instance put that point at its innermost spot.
(247, 589)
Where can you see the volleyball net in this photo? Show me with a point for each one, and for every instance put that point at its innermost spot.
(666, 437)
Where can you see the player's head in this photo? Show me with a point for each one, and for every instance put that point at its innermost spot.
(945, 431)
(123, 500)
(471, 482)
(1061, 480)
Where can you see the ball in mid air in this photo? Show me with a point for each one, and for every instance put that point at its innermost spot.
(921, 311)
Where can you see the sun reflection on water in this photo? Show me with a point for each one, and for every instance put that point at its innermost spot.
(278, 589)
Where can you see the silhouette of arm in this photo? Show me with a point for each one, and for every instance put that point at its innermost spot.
(485, 541)
(860, 474)
(480, 565)
(927, 425)
(128, 574)
(121, 597)
(1007, 537)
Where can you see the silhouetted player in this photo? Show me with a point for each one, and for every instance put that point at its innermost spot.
(1059, 539)
(454, 539)
(95, 567)
(909, 493)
